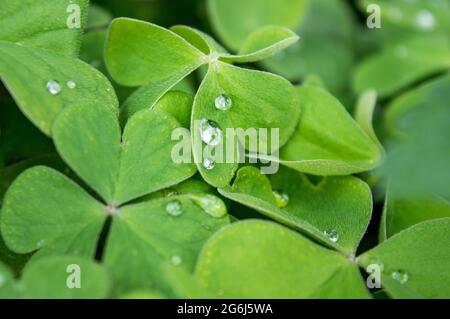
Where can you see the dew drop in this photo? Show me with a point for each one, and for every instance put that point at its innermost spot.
(400, 276)
(210, 204)
(281, 199)
(332, 234)
(71, 84)
(210, 133)
(208, 163)
(176, 260)
(223, 102)
(40, 243)
(53, 87)
(174, 208)
(425, 20)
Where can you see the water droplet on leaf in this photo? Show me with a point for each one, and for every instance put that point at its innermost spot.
(53, 87)
(208, 163)
(282, 199)
(212, 205)
(71, 84)
(223, 102)
(400, 276)
(332, 234)
(425, 20)
(40, 243)
(210, 133)
(176, 260)
(174, 208)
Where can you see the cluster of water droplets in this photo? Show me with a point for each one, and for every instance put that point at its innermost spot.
(54, 87)
(400, 275)
(174, 208)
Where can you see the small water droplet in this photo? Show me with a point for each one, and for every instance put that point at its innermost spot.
(400, 275)
(176, 260)
(281, 199)
(332, 234)
(2, 280)
(174, 208)
(208, 163)
(212, 205)
(71, 84)
(425, 20)
(210, 133)
(40, 243)
(53, 87)
(223, 102)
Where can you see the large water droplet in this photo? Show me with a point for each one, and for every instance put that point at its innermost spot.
(425, 20)
(71, 84)
(332, 234)
(53, 87)
(223, 102)
(212, 205)
(208, 163)
(281, 199)
(209, 131)
(174, 208)
(176, 260)
(400, 275)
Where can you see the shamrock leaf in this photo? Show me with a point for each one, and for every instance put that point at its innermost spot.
(404, 63)
(230, 17)
(54, 25)
(259, 259)
(327, 141)
(126, 167)
(53, 277)
(275, 97)
(43, 83)
(41, 198)
(199, 39)
(415, 261)
(336, 211)
(400, 213)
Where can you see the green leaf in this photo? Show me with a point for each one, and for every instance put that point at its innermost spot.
(258, 100)
(257, 259)
(26, 72)
(325, 49)
(340, 205)
(230, 18)
(98, 17)
(261, 44)
(179, 105)
(327, 140)
(50, 278)
(401, 213)
(139, 53)
(44, 209)
(145, 237)
(124, 168)
(419, 256)
(8, 287)
(403, 63)
(43, 24)
(199, 39)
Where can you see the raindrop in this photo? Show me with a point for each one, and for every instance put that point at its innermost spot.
(174, 208)
(223, 102)
(53, 87)
(212, 205)
(425, 20)
(281, 199)
(71, 84)
(400, 276)
(211, 134)
(208, 163)
(176, 260)
(332, 234)
(40, 243)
